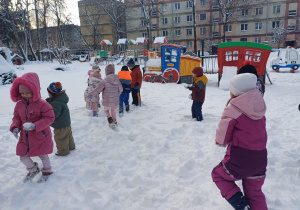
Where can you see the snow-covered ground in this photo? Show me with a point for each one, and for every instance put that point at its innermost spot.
(158, 159)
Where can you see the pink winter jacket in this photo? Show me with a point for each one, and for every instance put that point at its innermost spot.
(36, 110)
(243, 129)
(111, 87)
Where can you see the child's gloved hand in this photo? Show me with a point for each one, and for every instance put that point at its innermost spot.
(28, 126)
(137, 84)
(15, 132)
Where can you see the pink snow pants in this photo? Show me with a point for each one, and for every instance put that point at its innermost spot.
(251, 186)
(113, 114)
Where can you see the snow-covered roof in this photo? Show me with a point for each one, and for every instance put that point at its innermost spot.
(122, 41)
(16, 55)
(160, 40)
(46, 50)
(105, 42)
(5, 67)
(131, 41)
(141, 40)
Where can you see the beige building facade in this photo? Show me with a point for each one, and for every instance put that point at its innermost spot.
(260, 22)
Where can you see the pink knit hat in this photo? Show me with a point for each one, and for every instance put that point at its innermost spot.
(110, 69)
(24, 89)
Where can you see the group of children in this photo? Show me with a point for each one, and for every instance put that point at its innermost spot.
(242, 127)
(32, 119)
(115, 89)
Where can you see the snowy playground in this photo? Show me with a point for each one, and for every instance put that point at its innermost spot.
(159, 158)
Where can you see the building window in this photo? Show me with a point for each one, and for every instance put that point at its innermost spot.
(177, 32)
(202, 3)
(165, 33)
(143, 22)
(188, 32)
(273, 39)
(177, 6)
(258, 26)
(275, 24)
(228, 28)
(203, 30)
(188, 4)
(244, 27)
(142, 10)
(203, 16)
(244, 12)
(228, 40)
(144, 35)
(215, 34)
(165, 20)
(177, 20)
(243, 39)
(215, 6)
(259, 11)
(189, 18)
(188, 44)
(292, 12)
(291, 28)
(229, 1)
(276, 9)
(153, 26)
(215, 20)
(257, 39)
(164, 7)
(153, 13)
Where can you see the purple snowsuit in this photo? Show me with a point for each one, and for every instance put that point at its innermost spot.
(243, 129)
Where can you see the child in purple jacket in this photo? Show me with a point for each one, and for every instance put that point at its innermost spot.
(242, 129)
(32, 119)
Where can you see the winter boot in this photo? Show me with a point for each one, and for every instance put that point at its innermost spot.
(32, 172)
(95, 114)
(110, 120)
(46, 173)
(127, 108)
(121, 110)
(238, 202)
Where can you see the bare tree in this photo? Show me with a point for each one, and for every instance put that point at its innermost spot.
(279, 33)
(230, 10)
(115, 9)
(92, 18)
(36, 10)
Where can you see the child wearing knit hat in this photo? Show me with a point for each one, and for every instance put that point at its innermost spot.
(63, 136)
(32, 119)
(242, 129)
(93, 100)
(110, 87)
(249, 68)
(198, 92)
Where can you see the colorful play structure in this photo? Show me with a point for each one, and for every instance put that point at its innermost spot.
(291, 60)
(170, 65)
(234, 54)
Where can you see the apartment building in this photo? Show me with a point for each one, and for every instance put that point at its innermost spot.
(98, 20)
(273, 22)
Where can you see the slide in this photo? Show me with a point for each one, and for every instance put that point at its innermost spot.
(120, 60)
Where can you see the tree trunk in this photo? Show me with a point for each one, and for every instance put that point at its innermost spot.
(37, 29)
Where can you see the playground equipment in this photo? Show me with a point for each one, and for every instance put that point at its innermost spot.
(84, 58)
(171, 67)
(292, 60)
(141, 46)
(122, 46)
(235, 53)
(158, 42)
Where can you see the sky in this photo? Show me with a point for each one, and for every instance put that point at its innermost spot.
(73, 10)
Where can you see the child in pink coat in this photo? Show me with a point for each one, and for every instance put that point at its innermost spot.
(92, 99)
(111, 87)
(32, 119)
(242, 129)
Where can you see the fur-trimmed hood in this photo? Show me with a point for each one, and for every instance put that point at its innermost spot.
(31, 80)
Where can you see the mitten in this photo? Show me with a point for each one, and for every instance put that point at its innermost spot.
(15, 132)
(137, 84)
(28, 126)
